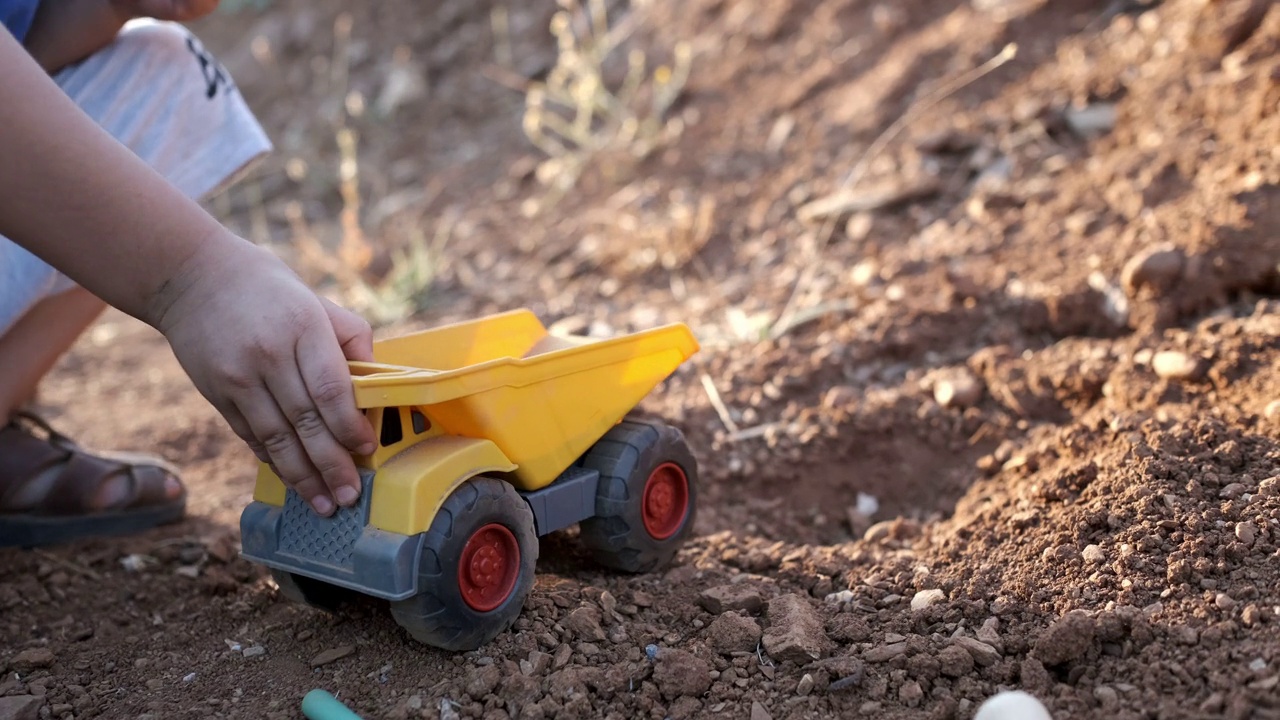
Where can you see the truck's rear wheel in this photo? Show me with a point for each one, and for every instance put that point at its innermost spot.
(476, 568)
(647, 497)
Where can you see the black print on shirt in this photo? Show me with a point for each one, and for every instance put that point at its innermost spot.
(214, 76)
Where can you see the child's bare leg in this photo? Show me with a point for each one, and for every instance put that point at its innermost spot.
(36, 341)
(31, 347)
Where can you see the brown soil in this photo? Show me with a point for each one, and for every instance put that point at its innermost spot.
(1052, 361)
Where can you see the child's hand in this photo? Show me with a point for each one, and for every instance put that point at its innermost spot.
(175, 10)
(271, 357)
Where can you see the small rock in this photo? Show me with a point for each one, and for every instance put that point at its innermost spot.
(332, 655)
(1067, 639)
(959, 389)
(562, 656)
(1094, 554)
(1091, 120)
(679, 673)
(955, 661)
(732, 633)
(805, 686)
(1107, 696)
(758, 711)
(724, 598)
(254, 651)
(989, 633)
(20, 707)
(481, 681)
(1175, 365)
(584, 623)
(1246, 532)
(446, 710)
(982, 653)
(1224, 601)
(1158, 268)
(911, 693)
(539, 662)
(1269, 487)
(520, 691)
(796, 631)
(1250, 615)
(885, 653)
(33, 658)
(925, 598)
(1232, 491)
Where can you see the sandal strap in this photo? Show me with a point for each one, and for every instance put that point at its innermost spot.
(26, 458)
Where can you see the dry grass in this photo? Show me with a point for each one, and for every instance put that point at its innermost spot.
(575, 117)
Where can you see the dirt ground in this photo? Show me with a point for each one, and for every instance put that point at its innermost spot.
(1017, 423)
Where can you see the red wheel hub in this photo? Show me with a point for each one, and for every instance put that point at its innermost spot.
(666, 501)
(489, 567)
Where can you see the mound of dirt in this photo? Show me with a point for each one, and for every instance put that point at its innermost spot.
(1018, 425)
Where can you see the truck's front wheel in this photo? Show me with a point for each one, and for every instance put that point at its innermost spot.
(647, 496)
(476, 568)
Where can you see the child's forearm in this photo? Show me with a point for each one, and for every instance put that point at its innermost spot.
(74, 196)
(67, 31)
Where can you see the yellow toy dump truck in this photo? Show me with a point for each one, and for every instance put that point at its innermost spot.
(492, 433)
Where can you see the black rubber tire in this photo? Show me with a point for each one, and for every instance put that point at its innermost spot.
(625, 457)
(438, 615)
(309, 591)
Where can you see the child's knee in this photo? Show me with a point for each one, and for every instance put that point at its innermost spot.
(163, 42)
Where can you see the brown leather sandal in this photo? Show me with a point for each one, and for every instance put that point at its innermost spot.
(49, 484)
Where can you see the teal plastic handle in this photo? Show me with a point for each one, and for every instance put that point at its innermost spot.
(320, 705)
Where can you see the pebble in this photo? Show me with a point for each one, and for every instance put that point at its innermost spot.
(982, 653)
(1158, 268)
(1250, 615)
(926, 598)
(989, 633)
(33, 658)
(254, 651)
(332, 655)
(1067, 639)
(1107, 696)
(758, 711)
(1174, 365)
(796, 631)
(732, 632)
(1246, 532)
(679, 673)
(20, 707)
(1272, 410)
(723, 598)
(960, 389)
(911, 693)
(954, 661)
(482, 680)
(805, 686)
(1269, 487)
(885, 653)
(1224, 601)
(584, 623)
(1094, 554)
(1232, 491)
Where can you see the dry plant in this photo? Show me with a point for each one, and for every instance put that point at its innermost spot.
(399, 293)
(574, 116)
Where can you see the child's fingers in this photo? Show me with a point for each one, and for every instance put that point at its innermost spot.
(231, 414)
(310, 425)
(354, 334)
(328, 381)
(279, 438)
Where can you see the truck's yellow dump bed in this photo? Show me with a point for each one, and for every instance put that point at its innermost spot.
(543, 400)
